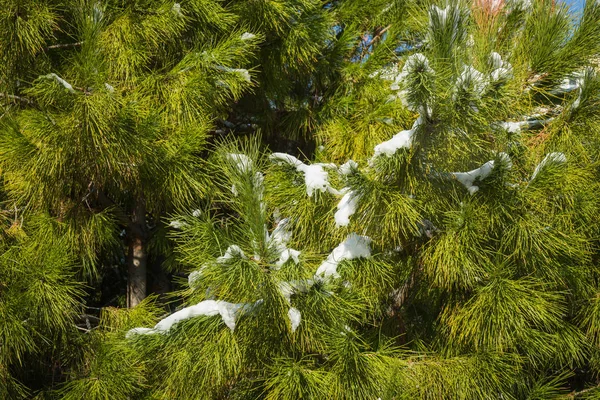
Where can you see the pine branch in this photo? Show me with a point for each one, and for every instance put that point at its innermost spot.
(375, 38)
(15, 97)
(575, 394)
(63, 45)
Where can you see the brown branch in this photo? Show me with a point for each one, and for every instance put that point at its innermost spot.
(574, 394)
(15, 97)
(376, 37)
(63, 45)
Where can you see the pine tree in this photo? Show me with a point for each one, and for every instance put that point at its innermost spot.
(426, 227)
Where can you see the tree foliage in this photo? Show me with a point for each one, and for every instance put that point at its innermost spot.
(392, 199)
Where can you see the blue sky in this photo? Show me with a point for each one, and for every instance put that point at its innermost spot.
(576, 4)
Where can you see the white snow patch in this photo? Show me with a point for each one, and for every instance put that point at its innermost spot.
(109, 88)
(386, 73)
(468, 178)
(315, 176)
(353, 247)
(286, 255)
(242, 161)
(295, 317)
(242, 71)
(61, 81)
(278, 239)
(195, 276)
(348, 167)
(196, 213)
(233, 252)
(500, 69)
(177, 224)
(176, 9)
(248, 36)
(228, 312)
(472, 78)
(416, 62)
(552, 158)
(346, 208)
(401, 140)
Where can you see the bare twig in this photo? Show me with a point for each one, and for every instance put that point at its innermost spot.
(15, 97)
(63, 45)
(574, 394)
(376, 37)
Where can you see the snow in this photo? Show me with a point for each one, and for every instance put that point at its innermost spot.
(516, 127)
(315, 176)
(242, 161)
(176, 9)
(348, 167)
(401, 140)
(139, 331)
(208, 308)
(552, 158)
(61, 81)
(109, 88)
(414, 63)
(501, 69)
(353, 247)
(196, 213)
(195, 276)
(248, 36)
(281, 235)
(279, 238)
(295, 317)
(512, 127)
(442, 14)
(346, 208)
(177, 224)
(242, 71)
(468, 178)
(470, 77)
(286, 255)
(232, 252)
(386, 73)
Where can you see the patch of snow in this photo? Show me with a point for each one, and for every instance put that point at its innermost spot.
(552, 158)
(401, 140)
(177, 224)
(278, 239)
(414, 63)
(386, 73)
(208, 308)
(61, 81)
(195, 276)
(241, 71)
(139, 331)
(348, 167)
(196, 213)
(295, 318)
(109, 88)
(500, 69)
(176, 9)
(346, 208)
(233, 252)
(315, 176)
(248, 36)
(242, 161)
(353, 247)
(286, 255)
(468, 178)
(472, 78)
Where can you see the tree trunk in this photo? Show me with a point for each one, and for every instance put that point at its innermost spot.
(137, 257)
